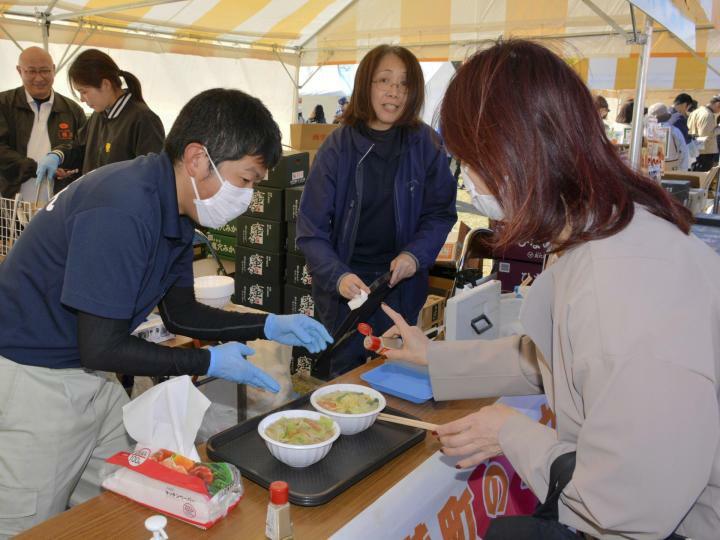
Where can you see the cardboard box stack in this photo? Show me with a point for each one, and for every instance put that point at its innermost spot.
(260, 237)
(298, 296)
(309, 137)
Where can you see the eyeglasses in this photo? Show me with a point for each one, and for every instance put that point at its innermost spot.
(43, 72)
(385, 84)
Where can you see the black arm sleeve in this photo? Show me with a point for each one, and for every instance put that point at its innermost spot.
(184, 315)
(106, 345)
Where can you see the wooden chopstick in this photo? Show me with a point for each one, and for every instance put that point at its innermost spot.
(407, 421)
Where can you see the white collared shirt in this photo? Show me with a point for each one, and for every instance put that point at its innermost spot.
(38, 145)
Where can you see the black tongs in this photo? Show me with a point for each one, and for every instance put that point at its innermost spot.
(379, 289)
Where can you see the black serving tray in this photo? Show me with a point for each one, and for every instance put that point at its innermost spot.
(351, 458)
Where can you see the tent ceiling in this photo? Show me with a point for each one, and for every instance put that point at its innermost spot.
(341, 31)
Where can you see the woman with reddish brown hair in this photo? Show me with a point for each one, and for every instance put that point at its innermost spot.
(379, 198)
(622, 331)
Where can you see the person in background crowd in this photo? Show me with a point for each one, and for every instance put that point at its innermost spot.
(342, 107)
(33, 121)
(702, 123)
(693, 106)
(625, 113)
(121, 127)
(90, 267)
(622, 459)
(318, 115)
(679, 114)
(380, 197)
(601, 106)
(677, 157)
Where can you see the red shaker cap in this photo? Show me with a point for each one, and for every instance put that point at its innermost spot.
(365, 329)
(279, 492)
(372, 343)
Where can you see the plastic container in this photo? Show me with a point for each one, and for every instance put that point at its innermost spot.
(296, 455)
(410, 383)
(214, 291)
(350, 424)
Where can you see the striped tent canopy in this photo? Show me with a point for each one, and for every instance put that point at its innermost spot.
(591, 33)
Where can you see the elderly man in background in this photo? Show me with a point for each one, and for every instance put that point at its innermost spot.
(702, 123)
(677, 157)
(33, 121)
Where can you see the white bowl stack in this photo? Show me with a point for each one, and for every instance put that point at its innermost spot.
(296, 455)
(214, 291)
(350, 424)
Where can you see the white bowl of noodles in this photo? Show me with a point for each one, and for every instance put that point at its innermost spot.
(354, 407)
(298, 438)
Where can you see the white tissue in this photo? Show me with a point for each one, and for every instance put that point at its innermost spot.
(167, 416)
(358, 301)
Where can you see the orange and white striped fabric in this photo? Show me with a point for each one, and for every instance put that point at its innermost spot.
(314, 32)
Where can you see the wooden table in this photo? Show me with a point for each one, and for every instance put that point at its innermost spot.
(112, 516)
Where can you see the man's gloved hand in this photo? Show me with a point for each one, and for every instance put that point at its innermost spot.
(227, 361)
(298, 330)
(47, 166)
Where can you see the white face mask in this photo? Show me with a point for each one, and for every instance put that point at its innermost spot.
(227, 204)
(487, 205)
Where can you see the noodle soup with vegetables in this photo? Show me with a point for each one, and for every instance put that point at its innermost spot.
(301, 431)
(345, 402)
(352, 406)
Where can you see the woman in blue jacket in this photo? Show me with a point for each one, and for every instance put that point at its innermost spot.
(380, 197)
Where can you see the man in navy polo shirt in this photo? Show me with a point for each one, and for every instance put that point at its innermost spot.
(90, 267)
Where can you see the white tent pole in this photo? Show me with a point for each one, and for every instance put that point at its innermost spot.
(10, 37)
(69, 45)
(109, 9)
(297, 74)
(641, 85)
(45, 26)
(296, 90)
(604, 16)
(77, 49)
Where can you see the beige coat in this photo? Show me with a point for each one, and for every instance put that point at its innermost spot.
(623, 335)
(702, 123)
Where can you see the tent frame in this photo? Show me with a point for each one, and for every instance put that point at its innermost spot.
(644, 39)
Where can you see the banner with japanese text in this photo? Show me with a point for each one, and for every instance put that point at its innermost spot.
(437, 501)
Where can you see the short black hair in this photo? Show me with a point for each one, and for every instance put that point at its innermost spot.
(683, 98)
(230, 124)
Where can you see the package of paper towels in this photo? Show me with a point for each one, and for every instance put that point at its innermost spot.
(164, 472)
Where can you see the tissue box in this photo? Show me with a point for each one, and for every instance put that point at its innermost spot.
(194, 492)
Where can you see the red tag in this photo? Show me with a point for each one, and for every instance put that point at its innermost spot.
(141, 462)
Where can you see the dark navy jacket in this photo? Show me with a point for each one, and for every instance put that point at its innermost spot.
(330, 208)
(680, 121)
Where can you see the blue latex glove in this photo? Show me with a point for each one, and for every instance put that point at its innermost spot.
(299, 330)
(47, 166)
(227, 361)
